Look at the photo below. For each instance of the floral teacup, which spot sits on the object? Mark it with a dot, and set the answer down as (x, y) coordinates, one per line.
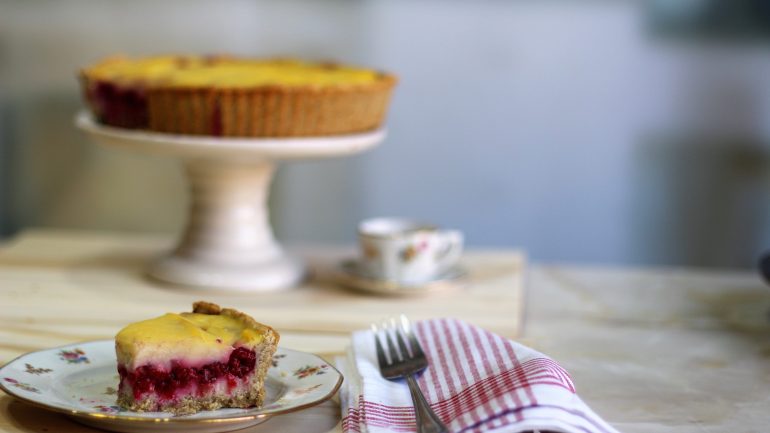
(407, 251)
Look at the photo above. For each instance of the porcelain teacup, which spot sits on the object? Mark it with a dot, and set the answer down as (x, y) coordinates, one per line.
(406, 250)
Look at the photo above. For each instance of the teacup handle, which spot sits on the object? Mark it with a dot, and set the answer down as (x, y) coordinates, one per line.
(451, 251)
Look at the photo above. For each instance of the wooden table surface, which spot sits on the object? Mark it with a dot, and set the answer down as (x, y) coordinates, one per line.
(650, 350)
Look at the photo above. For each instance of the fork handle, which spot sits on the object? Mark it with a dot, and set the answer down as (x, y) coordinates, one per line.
(427, 420)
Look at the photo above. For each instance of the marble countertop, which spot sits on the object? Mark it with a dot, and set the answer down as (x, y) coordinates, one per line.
(659, 350)
(650, 350)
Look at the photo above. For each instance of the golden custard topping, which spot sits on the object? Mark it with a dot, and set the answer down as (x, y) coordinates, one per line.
(187, 336)
(224, 72)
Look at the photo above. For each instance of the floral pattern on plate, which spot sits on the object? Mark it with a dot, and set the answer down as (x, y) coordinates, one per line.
(84, 387)
(73, 356)
(36, 370)
(310, 370)
(21, 385)
(277, 358)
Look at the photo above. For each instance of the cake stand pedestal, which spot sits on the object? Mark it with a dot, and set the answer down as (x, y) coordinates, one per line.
(228, 242)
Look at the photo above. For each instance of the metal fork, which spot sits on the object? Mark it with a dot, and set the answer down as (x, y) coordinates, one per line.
(403, 357)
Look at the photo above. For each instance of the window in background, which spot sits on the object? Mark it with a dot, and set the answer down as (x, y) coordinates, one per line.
(711, 19)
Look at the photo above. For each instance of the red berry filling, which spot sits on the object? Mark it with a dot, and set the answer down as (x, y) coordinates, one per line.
(150, 378)
(125, 107)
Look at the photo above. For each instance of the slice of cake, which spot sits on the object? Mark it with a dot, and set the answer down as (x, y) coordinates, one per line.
(236, 97)
(184, 363)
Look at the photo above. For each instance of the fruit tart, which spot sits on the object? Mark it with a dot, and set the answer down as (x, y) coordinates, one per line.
(236, 97)
(204, 360)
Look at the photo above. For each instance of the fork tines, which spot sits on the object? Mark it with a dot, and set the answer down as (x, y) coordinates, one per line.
(396, 342)
(400, 356)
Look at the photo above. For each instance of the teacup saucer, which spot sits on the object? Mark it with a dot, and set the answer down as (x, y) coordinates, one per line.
(352, 275)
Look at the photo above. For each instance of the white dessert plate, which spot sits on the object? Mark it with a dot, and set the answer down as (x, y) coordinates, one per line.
(80, 380)
(351, 274)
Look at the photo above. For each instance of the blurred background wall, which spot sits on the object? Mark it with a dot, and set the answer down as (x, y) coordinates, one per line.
(603, 131)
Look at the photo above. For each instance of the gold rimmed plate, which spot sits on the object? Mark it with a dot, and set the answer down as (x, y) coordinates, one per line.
(80, 380)
(351, 274)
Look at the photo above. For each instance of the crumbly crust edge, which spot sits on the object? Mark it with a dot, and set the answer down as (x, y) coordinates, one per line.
(253, 397)
(203, 307)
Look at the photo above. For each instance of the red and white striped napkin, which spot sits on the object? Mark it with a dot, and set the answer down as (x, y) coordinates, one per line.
(476, 382)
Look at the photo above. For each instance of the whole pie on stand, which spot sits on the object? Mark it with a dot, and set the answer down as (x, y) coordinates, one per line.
(236, 97)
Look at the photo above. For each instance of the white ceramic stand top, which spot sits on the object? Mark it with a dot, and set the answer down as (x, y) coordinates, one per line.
(228, 242)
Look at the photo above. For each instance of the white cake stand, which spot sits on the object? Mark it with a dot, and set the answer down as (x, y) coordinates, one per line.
(228, 242)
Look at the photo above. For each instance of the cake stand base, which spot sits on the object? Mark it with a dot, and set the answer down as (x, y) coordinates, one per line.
(228, 242)
(281, 272)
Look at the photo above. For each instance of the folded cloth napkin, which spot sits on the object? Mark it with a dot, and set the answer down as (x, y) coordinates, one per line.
(476, 382)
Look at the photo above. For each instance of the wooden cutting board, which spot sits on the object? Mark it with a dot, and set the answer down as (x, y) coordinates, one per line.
(58, 287)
